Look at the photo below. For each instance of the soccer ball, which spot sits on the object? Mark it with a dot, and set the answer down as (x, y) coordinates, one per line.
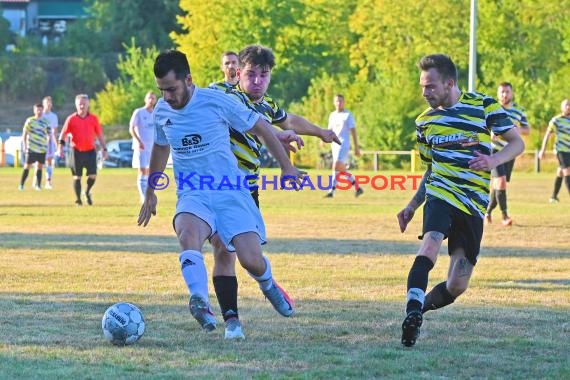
(123, 324)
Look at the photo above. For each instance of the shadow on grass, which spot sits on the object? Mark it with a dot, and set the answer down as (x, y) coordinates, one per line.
(323, 340)
(169, 244)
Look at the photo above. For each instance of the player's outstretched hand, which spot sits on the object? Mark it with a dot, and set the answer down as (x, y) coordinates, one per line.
(287, 138)
(292, 176)
(482, 162)
(404, 217)
(329, 136)
(148, 209)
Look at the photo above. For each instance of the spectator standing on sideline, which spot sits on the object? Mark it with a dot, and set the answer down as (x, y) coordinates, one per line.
(51, 117)
(84, 128)
(141, 128)
(207, 115)
(454, 140)
(501, 175)
(560, 127)
(35, 136)
(342, 123)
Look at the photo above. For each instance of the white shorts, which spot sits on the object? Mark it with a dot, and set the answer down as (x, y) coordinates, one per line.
(340, 152)
(141, 159)
(227, 212)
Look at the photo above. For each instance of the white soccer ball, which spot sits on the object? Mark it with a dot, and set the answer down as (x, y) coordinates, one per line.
(123, 324)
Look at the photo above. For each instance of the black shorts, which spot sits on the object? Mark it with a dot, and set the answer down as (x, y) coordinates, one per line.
(32, 157)
(504, 170)
(463, 230)
(563, 159)
(83, 160)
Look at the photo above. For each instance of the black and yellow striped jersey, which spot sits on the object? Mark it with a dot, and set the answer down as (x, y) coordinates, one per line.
(447, 139)
(38, 134)
(560, 125)
(246, 146)
(221, 86)
(518, 117)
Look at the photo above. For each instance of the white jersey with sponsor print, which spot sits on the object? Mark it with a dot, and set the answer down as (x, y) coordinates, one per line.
(341, 123)
(145, 128)
(199, 139)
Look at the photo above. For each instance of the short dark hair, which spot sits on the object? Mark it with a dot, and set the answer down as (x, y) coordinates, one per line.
(339, 96)
(506, 84)
(38, 105)
(229, 52)
(257, 55)
(171, 60)
(441, 63)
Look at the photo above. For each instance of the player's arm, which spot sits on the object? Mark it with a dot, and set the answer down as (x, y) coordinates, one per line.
(524, 127)
(263, 130)
(134, 131)
(355, 142)
(25, 138)
(62, 136)
(287, 138)
(514, 147)
(304, 127)
(545, 142)
(158, 160)
(103, 145)
(524, 130)
(406, 215)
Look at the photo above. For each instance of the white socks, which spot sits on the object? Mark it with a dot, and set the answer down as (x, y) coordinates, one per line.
(266, 279)
(142, 184)
(194, 273)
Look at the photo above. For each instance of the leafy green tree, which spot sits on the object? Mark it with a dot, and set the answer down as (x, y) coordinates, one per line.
(6, 35)
(115, 103)
(391, 39)
(526, 43)
(368, 50)
(113, 23)
(308, 38)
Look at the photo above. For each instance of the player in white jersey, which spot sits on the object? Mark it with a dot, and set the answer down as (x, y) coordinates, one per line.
(342, 123)
(141, 128)
(193, 124)
(52, 143)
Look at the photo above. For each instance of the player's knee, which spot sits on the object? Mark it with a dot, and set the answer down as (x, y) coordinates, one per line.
(431, 244)
(500, 183)
(187, 238)
(253, 263)
(456, 288)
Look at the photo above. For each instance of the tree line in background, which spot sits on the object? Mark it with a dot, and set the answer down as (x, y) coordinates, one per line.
(365, 49)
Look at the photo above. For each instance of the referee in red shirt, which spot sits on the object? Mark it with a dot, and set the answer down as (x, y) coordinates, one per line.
(83, 128)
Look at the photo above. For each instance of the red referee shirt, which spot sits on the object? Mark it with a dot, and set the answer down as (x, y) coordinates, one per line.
(82, 130)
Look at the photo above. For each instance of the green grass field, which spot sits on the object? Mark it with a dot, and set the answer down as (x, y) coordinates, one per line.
(343, 260)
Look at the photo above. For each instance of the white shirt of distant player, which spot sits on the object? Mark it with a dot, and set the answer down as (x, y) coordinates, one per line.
(145, 128)
(52, 118)
(341, 123)
(198, 135)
